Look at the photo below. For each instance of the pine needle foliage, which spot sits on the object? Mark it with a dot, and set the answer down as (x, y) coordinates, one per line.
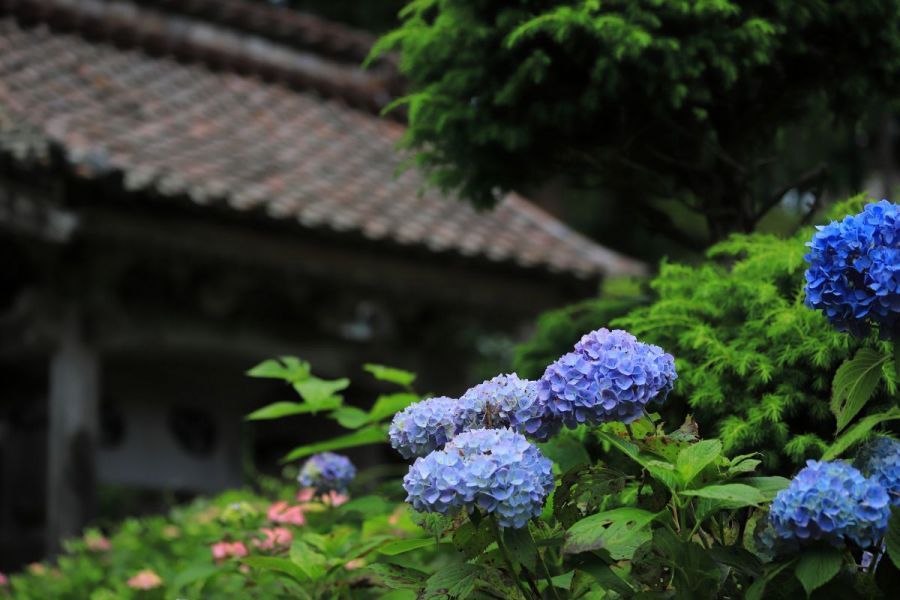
(755, 365)
(683, 99)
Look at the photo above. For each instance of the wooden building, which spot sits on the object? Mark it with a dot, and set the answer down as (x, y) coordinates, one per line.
(189, 186)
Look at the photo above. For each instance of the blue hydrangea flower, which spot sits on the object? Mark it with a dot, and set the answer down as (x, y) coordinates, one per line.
(880, 461)
(327, 472)
(832, 502)
(425, 426)
(610, 376)
(495, 471)
(854, 271)
(507, 401)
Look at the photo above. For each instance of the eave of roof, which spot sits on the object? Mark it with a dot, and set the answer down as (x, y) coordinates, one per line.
(124, 107)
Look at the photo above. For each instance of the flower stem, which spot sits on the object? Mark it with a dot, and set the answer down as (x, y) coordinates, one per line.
(506, 558)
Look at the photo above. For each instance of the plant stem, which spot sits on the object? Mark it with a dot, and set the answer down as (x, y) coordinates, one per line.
(547, 575)
(506, 558)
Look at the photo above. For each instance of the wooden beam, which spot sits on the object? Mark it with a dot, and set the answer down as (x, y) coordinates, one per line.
(72, 433)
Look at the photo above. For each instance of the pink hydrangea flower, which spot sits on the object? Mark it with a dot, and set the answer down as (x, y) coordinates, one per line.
(4, 580)
(305, 494)
(276, 539)
(335, 499)
(145, 580)
(282, 512)
(97, 543)
(224, 550)
(356, 563)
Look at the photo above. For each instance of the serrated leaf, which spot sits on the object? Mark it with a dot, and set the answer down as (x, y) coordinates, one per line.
(390, 374)
(403, 546)
(286, 368)
(892, 539)
(471, 539)
(362, 437)
(729, 495)
(854, 384)
(817, 567)
(318, 391)
(858, 432)
(308, 560)
(456, 581)
(278, 410)
(619, 531)
(350, 417)
(696, 457)
(390, 404)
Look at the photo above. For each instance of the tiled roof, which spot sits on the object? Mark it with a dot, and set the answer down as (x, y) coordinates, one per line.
(221, 138)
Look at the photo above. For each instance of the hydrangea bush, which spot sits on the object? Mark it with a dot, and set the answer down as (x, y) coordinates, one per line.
(569, 486)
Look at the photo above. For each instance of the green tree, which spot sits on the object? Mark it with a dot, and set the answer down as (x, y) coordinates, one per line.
(647, 100)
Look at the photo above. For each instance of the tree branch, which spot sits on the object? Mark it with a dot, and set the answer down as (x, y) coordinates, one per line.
(805, 180)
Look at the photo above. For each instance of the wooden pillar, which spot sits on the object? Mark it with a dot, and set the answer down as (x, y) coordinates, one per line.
(72, 434)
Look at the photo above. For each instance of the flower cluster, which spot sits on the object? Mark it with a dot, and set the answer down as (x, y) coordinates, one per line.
(854, 272)
(327, 472)
(508, 401)
(496, 471)
(610, 376)
(145, 580)
(880, 461)
(425, 426)
(223, 550)
(832, 502)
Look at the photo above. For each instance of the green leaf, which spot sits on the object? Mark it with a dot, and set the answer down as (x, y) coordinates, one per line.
(313, 564)
(858, 432)
(279, 565)
(363, 437)
(566, 452)
(287, 368)
(318, 391)
(892, 539)
(397, 576)
(390, 374)
(521, 547)
(456, 581)
(768, 486)
(758, 588)
(817, 567)
(854, 384)
(730, 495)
(619, 531)
(350, 417)
(471, 539)
(193, 574)
(287, 409)
(563, 581)
(402, 546)
(696, 457)
(367, 505)
(660, 470)
(388, 405)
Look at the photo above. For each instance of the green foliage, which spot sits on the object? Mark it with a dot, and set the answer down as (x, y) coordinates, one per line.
(756, 366)
(647, 100)
(316, 394)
